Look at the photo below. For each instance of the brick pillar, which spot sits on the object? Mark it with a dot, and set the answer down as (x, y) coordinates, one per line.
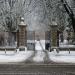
(54, 36)
(22, 34)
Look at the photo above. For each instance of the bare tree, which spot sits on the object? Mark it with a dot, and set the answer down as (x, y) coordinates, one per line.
(70, 13)
(11, 11)
(38, 13)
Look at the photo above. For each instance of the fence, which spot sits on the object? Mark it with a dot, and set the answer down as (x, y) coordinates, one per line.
(67, 41)
(66, 38)
(7, 39)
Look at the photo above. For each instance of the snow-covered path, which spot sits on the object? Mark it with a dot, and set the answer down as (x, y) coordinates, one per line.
(39, 56)
(39, 51)
(40, 45)
(62, 57)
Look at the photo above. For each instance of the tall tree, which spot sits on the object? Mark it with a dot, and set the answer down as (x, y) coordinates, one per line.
(11, 11)
(38, 13)
(69, 12)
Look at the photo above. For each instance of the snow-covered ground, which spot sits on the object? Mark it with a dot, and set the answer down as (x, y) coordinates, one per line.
(11, 56)
(39, 47)
(62, 56)
(39, 56)
(20, 56)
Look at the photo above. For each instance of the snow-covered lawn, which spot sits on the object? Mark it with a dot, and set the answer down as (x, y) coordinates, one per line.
(11, 56)
(62, 56)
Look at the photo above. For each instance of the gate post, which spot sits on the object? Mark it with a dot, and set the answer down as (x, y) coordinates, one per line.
(54, 35)
(22, 34)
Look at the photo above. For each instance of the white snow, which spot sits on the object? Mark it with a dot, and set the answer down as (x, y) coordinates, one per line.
(11, 56)
(67, 46)
(39, 57)
(40, 45)
(65, 42)
(20, 56)
(62, 56)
